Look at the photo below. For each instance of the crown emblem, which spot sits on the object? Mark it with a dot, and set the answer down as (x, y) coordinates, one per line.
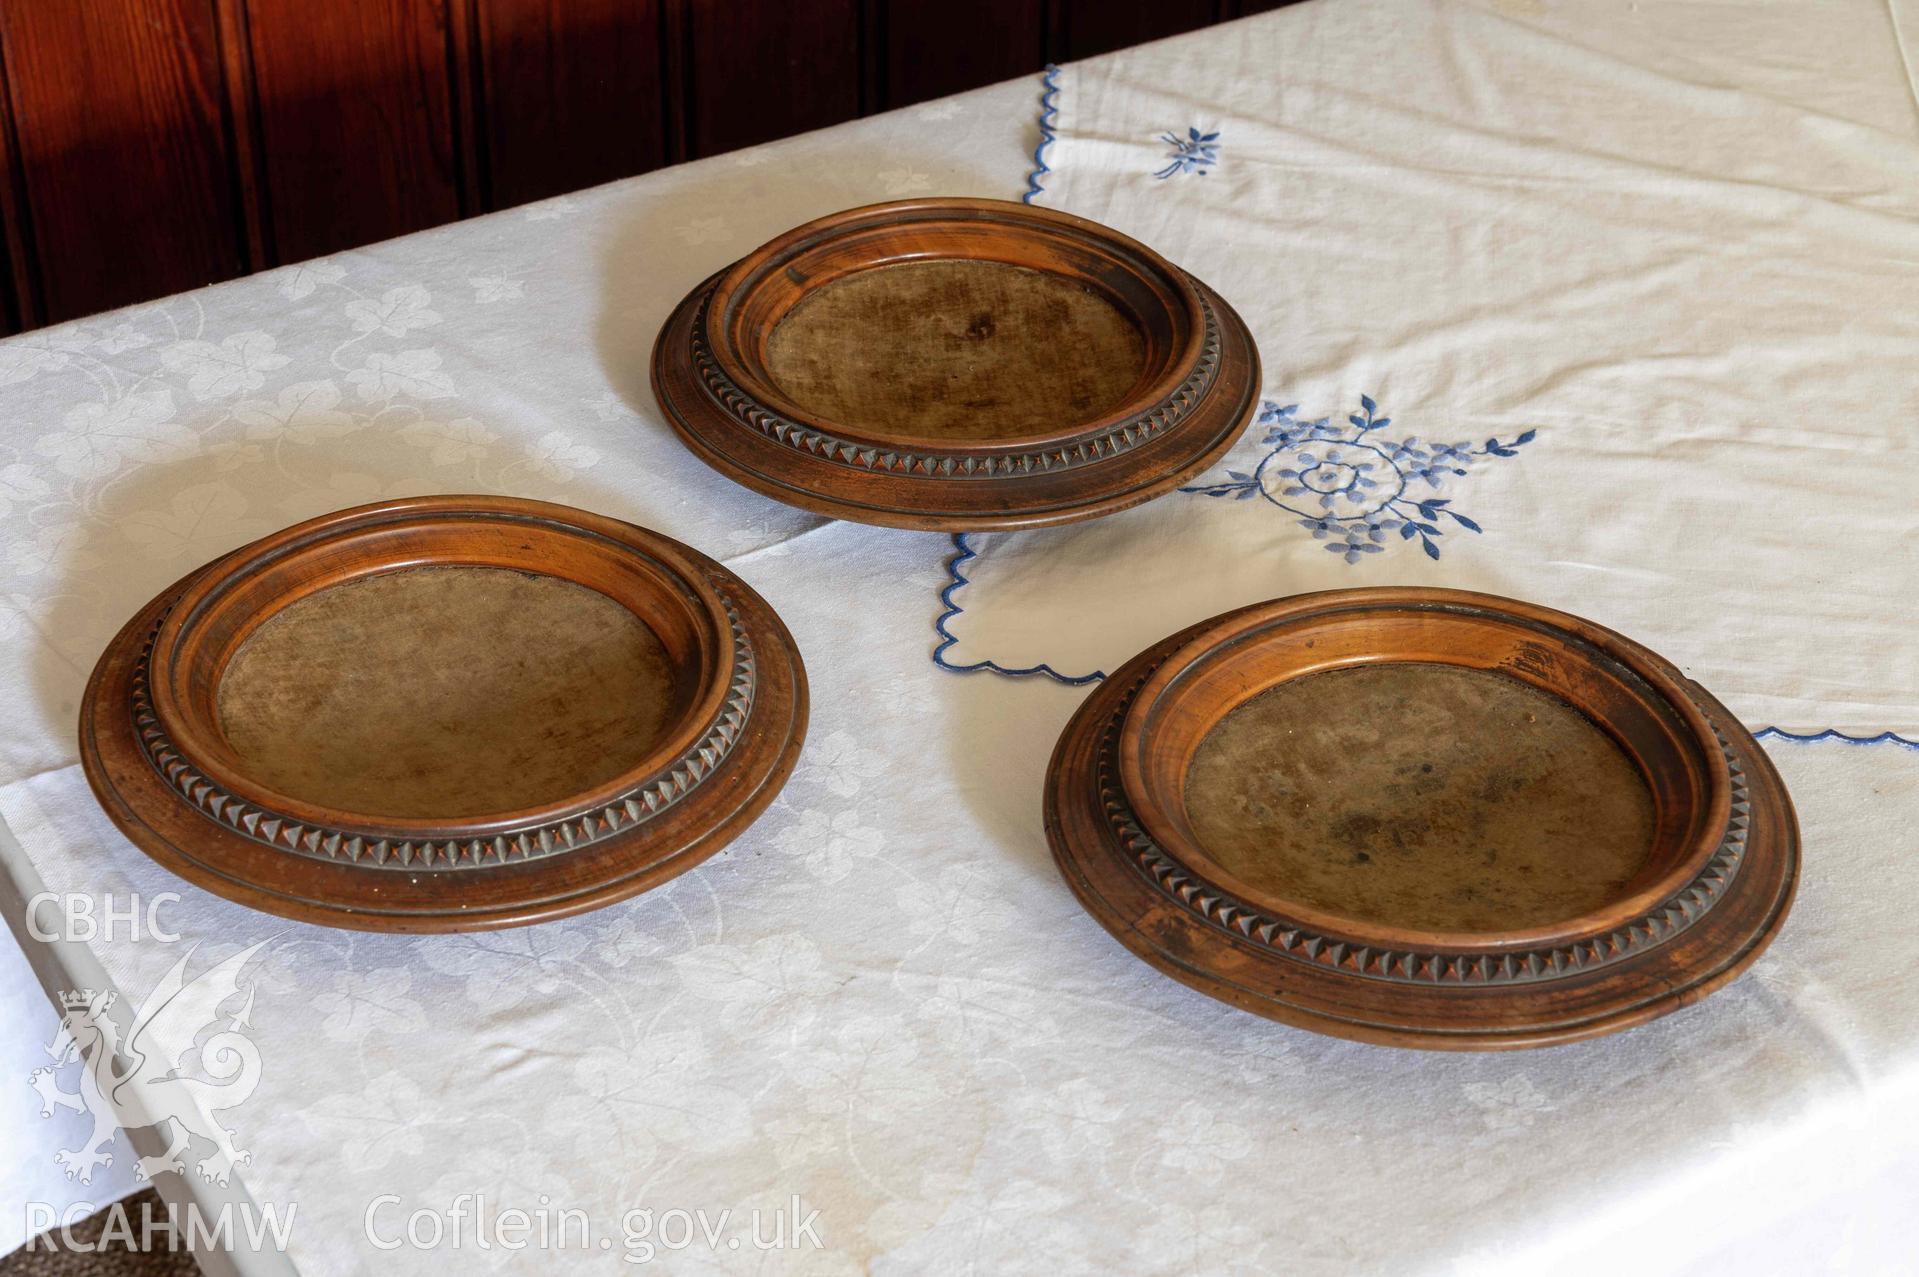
(85, 999)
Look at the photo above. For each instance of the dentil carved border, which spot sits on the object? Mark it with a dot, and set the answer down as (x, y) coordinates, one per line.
(283, 833)
(859, 456)
(1221, 910)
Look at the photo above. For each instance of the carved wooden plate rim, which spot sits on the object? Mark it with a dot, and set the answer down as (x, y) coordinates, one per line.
(1704, 918)
(200, 739)
(159, 768)
(1194, 396)
(1290, 618)
(1021, 222)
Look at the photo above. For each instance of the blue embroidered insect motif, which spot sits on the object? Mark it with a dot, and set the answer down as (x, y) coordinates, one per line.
(1353, 488)
(1194, 153)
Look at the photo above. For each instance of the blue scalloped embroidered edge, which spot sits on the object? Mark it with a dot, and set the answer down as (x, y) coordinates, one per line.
(963, 552)
(1048, 112)
(1833, 733)
(956, 578)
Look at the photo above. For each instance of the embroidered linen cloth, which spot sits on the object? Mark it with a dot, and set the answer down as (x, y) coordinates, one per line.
(881, 998)
(1616, 314)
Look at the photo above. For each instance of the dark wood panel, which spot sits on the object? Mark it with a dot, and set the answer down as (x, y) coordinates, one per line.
(1089, 27)
(125, 188)
(572, 94)
(777, 68)
(17, 309)
(355, 117)
(246, 161)
(148, 146)
(928, 50)
(465, 88)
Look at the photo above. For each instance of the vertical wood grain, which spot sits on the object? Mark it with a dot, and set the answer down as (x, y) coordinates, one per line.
(247, 160)
(120, 142)
(572, 94)
(931, 50)
(465, 77)
(676, 59)
(1086, 28)
(148, 146)
(766, 69)
(355, 112)
(19, 307)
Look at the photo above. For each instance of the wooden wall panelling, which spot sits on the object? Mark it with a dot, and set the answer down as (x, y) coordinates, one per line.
(465, 90)
(750, 73)
(124, 187)
(571, 94)
(355, 113)
(148, 146)
(17, 309)
(9, 302)
(1084, 28)
(676, 57)
(928, 50)
(246, 159)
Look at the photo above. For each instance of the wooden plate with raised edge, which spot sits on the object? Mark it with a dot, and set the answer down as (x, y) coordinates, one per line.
(444, 714)
(956, 364)
(1423, 818)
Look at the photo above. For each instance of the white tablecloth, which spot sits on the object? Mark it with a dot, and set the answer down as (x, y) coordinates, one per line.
(881, 1000)
(1547, 309)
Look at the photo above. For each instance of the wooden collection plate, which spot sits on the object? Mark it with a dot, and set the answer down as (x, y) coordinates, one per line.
(1423, 818)
(444, 714)
(956, 364)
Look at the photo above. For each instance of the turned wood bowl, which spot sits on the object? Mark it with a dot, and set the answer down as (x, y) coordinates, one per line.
(956, 364)
(1423, 818)
(445, 713)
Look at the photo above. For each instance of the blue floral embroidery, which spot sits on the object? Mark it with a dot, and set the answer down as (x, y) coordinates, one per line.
(1353, 488)
(1194, 153)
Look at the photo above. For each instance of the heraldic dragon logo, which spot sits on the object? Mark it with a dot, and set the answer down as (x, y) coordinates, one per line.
(142, 1081)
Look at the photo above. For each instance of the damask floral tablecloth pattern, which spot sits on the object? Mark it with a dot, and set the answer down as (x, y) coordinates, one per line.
(881, 1000)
